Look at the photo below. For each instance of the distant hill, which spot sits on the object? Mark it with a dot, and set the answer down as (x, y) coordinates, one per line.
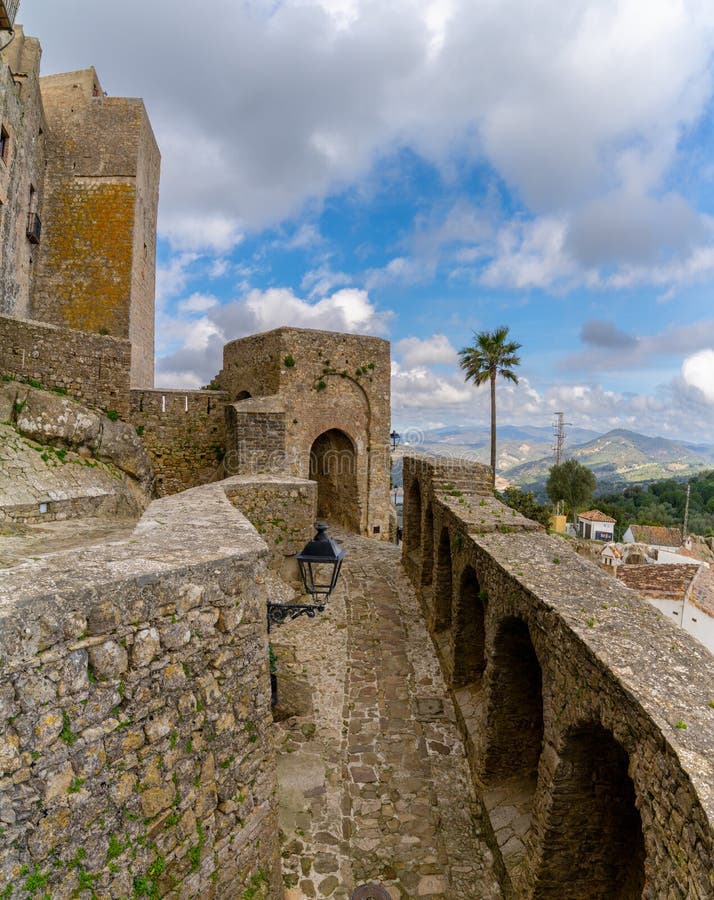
(525, 453)
(622, 457)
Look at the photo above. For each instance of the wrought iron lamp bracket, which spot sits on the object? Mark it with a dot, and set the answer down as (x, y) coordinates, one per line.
(286, 612)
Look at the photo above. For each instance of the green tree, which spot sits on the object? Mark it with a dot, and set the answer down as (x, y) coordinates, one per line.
(573, 483)
(490, 356)
(526, 504)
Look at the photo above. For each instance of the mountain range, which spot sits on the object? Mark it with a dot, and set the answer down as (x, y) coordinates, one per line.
(525, 453)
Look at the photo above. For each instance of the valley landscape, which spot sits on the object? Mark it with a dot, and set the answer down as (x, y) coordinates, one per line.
(616, 458)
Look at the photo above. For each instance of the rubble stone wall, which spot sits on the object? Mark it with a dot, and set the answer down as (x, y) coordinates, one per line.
(22, 170)
(558, 657)
(92, 368)
(135, 756)
(183, 433)
(281, 509)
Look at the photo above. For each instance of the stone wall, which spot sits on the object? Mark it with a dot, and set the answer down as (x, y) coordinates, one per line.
(183, 433)
(282, 510)
(22, 170)
(588, 716)
(298, 385)
(255, 437)
(135, 756)
(93, 368)
(96, 265)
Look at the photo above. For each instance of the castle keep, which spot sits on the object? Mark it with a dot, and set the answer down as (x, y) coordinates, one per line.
(79, 177)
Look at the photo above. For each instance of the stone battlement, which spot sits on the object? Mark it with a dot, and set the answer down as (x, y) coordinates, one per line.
(566, 678)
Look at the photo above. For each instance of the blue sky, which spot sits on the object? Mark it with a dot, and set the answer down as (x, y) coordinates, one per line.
(423, 170)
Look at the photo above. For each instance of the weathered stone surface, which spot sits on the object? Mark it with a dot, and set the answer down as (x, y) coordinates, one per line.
(115, 736)
(47, 418)
(146, 647)
(564, 678)
(108, 660)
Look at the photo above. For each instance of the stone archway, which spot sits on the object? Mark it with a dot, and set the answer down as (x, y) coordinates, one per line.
(515, 704)
(441, 620)
(593, 840)
(427, 549)
(513, 741)
(412, 521)
(469, 630)
(333, 465)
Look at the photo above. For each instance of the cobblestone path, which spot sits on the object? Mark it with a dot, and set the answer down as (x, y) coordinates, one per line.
(374, 784)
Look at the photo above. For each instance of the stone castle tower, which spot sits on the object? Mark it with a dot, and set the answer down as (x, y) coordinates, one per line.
(79, 175)
(96, 268)
(314, 404)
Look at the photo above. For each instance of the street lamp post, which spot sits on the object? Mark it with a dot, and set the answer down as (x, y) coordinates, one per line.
(320, 562)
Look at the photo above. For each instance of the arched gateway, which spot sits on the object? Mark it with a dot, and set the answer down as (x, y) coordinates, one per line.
(333, 465)
(318, 408)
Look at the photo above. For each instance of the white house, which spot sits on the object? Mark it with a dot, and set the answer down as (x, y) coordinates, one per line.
(595, 525)
(611, 555)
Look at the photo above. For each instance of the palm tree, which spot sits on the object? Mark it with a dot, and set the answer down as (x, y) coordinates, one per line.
(491, 355)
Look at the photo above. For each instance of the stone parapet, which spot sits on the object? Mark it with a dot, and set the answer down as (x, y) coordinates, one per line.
(183, 433)
(135, 756)
(566, 679)
(92, 368)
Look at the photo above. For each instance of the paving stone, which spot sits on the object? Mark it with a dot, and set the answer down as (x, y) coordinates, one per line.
(393, 778)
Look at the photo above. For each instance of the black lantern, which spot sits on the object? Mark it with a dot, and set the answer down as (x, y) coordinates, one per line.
(320, 562)
(395, 438)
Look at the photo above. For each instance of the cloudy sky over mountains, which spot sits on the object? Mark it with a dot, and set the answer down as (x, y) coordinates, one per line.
(420, 169)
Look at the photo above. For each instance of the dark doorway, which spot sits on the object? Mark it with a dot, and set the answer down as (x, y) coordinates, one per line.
(593, 845)
(333, 465)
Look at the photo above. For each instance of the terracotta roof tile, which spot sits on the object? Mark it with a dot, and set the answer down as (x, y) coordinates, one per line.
(659, 582)
(594, 515)
(656, 535)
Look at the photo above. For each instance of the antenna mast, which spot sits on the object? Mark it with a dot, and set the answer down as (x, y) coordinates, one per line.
(559, 433)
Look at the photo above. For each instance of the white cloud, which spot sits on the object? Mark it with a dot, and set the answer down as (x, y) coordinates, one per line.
(197, 303)
(201, 233)
(566, 102)
(698, 372)
(320, 281)
(194, 345)
(418, 389)
(414, 351)
(530, 254)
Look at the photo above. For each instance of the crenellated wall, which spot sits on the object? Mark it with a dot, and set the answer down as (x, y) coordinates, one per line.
(588, 716)
(135, 755)
(184, 434)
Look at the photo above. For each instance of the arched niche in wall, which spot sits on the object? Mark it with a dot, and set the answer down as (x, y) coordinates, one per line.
(514, 731)
(469, 630)
(443, 591)
(412, 519)
(243, 395)
(333, 465)
(593, 840)
(427, 549)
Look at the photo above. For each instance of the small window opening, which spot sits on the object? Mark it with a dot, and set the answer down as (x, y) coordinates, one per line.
(4, 144)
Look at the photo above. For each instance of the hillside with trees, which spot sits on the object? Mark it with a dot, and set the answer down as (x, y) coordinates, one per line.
(662, 503)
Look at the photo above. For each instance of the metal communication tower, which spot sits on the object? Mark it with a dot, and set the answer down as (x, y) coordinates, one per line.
(559, 432)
